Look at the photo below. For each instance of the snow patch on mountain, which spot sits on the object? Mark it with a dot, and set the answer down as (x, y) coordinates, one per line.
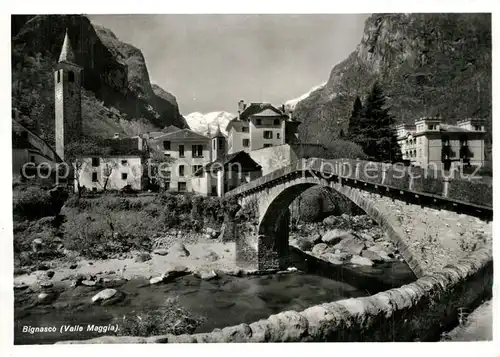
(290, 104)
(201, 122)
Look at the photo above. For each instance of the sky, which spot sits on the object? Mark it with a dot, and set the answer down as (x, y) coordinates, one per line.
(210, 62)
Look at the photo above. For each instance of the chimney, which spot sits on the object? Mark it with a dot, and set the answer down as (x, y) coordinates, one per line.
(241, 106)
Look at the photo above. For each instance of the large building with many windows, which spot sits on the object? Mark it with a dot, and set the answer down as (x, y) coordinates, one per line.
(431, 142)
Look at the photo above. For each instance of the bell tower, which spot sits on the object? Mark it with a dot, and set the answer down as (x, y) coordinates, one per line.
(218, 144)
(68, 98)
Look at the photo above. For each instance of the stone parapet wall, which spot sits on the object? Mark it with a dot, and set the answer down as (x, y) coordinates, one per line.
(417, 311)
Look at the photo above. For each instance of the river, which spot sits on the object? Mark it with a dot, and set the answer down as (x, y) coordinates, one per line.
(225, 301)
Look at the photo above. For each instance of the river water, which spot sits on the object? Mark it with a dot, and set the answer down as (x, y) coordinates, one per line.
(225, 301)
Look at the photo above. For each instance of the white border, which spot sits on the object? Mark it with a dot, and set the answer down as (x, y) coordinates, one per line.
(219, 6)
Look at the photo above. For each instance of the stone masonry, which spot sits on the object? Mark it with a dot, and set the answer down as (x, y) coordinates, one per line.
(428, 238)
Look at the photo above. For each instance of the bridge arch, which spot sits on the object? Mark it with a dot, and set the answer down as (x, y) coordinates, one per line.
(273, 231)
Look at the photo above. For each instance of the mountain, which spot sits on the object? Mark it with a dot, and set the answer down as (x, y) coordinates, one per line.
(200, 122)
(428, 64)
(292, 103)
(117, 95)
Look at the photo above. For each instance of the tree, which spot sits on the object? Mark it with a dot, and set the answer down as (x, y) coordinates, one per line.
(75, 157)
(354, 128)
(155, 168)
(377, 135)
(109, 166)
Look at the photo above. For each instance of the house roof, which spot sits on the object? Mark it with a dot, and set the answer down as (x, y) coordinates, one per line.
(218, 133)
(171, 129)
(260, 109)
(182, 135)
(31, 141)
(241, 157)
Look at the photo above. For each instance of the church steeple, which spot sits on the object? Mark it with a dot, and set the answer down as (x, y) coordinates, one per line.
(67, 54)
(68, 98)
(218, 144)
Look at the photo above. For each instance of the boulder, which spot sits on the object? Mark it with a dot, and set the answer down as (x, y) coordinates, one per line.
(330, 221)
(373, 256)
(332, 258)
(382, 252)
(88, 282)
(178, 250)
(211, 256)
(334, 236)
(161, 251)
(46, 284)
(20, 286)
(156, 280)
(175, 272)
(358, 260)
(206, 274)
(351, 244)
(142, 257)
(104, 295)
(46, 298)
(307, 242)
(319, 249)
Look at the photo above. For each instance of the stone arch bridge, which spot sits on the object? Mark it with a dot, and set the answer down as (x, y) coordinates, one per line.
(430, 219)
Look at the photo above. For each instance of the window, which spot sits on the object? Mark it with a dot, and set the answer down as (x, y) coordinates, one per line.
(214, 191)
(166, 145)
(95, 161)
(258, 122)
(277, 135)
(268, 134)
(197, 150)
(167, 155)
(196, 168)
(124, 162)
(246, 143)
(124, 176)
(478, 128)
(71, 76)
(276, 122)
(94, 176)
(58, 76)
(221, 143)
(268, 145)
(181, 170)
(32, 159)
(181, 187)
(244, 129)
(431, 127)
(214, 145)
(181, 150)
(167, 186)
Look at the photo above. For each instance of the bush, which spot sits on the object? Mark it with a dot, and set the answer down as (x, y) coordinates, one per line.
(34, 202)
(344, 149)
(469, 191)
(170, 318)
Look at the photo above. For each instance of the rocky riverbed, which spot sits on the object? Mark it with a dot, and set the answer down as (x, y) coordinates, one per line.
(346, 239)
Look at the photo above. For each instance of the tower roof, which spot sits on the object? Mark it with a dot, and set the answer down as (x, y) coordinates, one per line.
(67, 54)
(218, 133)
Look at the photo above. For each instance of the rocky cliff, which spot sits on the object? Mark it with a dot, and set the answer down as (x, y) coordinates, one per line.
(117, 96)
(428, 64)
